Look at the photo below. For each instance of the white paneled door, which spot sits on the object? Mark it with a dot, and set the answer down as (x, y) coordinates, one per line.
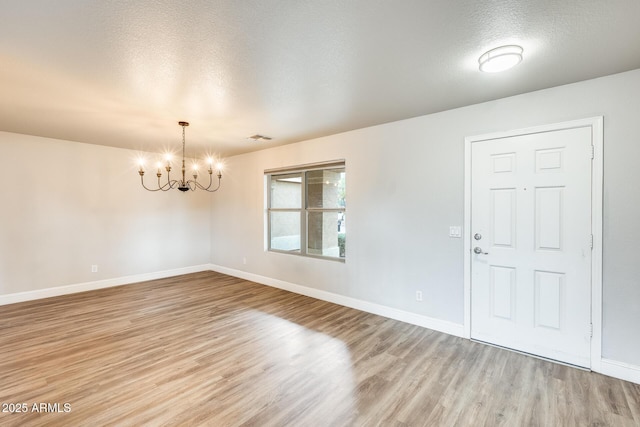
(531, 243)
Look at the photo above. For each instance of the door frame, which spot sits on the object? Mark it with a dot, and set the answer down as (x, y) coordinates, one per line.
(597, 137)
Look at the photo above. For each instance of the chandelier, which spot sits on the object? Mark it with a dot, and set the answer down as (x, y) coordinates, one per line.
(182, 184)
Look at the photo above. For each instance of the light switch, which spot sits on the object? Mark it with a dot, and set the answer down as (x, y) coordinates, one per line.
(455, 231)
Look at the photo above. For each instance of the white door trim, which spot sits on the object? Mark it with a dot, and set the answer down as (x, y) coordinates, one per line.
(596, 125)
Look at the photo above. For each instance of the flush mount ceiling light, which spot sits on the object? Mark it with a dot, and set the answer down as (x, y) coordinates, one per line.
(182, 184)
(500, 59)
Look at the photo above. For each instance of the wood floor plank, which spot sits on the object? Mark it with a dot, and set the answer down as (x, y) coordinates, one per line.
(211, 349)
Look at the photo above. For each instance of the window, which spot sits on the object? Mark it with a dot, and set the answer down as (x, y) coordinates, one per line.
(306, 210)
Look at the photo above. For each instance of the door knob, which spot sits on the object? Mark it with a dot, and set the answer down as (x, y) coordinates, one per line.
(478, 250)
(477, 236)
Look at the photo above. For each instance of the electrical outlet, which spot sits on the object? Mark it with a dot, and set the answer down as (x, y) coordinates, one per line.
(455, 231)
(418, 295)
(94, 268)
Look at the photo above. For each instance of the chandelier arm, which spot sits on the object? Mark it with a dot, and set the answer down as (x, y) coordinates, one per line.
(174, 183)
(169, 185)
(202, 187)
(147, 188)
(160, 186)
(164, 187)
(217, 187)
(208, 188)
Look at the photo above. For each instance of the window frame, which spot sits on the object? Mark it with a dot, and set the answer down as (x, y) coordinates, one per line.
(304, 209)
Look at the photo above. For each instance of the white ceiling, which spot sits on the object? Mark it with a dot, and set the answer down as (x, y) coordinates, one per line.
(122, 73)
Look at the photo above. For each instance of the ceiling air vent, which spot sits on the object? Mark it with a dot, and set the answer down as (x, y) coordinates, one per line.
(258, 137)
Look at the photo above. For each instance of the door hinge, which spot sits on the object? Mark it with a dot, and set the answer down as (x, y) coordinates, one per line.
(591, 241)
(593, 152)
(590, 330)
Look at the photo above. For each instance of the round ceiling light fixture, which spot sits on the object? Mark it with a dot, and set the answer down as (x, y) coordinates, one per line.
(500, 59)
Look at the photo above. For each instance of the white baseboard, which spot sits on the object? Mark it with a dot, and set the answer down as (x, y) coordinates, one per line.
(98, 284)
(607, 367)
(621, 370)
(369, 307)
(612, 368)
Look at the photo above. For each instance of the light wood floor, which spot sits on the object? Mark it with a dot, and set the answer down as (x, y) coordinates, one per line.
(209, 349)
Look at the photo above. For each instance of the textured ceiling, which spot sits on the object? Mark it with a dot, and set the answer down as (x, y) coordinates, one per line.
(122, 73)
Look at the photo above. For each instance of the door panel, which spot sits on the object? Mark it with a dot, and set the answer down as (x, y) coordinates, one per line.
(548, 302)
(503, 214)
(503, 292)
(548, 225)
(531, 276)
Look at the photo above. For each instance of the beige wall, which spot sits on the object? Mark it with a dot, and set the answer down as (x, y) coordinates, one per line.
(66, 206)
(405, 187)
